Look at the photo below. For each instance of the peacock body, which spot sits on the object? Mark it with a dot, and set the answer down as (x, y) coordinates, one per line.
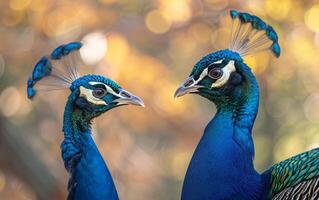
(222, 164)
(91, 95)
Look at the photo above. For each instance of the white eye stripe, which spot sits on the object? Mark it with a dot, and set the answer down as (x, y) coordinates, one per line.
(87, 94)
(202, 75)
(205, 71)
(108, 89)
(218, 62)
(227, 70)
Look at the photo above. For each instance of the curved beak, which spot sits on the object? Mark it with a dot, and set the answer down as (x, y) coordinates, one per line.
(189, 86)
(126, 98)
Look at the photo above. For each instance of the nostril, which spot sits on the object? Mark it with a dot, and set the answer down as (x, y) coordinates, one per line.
(125, 94)
(188, 83)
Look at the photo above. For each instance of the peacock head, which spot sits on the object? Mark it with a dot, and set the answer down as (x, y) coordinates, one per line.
(215, 76)
(95, 94)
(222, 76)
(92, 95)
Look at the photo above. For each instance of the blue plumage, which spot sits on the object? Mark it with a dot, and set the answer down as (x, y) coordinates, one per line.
(222, 164)
(91, 95)
(246, 37)
(42, 69)
(65, 49)
(90, 177)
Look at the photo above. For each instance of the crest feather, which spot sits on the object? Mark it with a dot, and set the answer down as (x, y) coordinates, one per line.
(57, 71)
(250, 34)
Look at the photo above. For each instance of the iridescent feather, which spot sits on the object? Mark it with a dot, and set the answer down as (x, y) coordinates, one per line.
(250, 35)
(296, 177)
(57, 71)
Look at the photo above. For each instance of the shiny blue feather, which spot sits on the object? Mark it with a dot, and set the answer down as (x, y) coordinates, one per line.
(56, 71)
(250, 34)
(65, 49)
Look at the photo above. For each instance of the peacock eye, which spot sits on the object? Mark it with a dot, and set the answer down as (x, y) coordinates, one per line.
(215, 73)
(99, 92)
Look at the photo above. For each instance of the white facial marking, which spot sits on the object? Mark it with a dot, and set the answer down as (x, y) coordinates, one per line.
(227, 70)
(218, 62)
(87, 94)
(205, 72)
(202, 75)
(123, 96)
(108, 89)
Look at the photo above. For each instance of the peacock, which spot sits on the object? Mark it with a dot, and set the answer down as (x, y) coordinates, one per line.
(91, 95)
(222, 164)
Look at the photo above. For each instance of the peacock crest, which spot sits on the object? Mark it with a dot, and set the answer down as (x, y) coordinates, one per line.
(56, 71)
(250, 35)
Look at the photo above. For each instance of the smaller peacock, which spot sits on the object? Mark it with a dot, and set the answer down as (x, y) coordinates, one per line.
(222, 164)
(91, 95)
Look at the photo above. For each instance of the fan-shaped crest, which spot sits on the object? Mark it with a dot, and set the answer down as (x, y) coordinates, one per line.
(250, 35)
(56, 71)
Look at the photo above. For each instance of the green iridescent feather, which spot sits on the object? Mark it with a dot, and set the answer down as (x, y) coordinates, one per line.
(290, 172)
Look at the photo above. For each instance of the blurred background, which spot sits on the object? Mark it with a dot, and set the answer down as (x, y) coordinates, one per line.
(149, 48)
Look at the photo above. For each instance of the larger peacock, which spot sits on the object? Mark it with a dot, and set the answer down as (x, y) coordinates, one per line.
(91, 95)
(222, 165)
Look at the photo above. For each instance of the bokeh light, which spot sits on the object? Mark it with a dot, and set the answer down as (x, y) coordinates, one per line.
(10, 101)
(278, 10)
(157, 22)
(94, 48)
(178, 11)
(311, 18)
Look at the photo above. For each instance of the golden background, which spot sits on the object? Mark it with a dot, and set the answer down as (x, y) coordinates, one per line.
(149, 48)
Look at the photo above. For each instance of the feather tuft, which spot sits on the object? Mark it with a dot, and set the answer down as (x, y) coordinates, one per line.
(57, 71)
(250, 35)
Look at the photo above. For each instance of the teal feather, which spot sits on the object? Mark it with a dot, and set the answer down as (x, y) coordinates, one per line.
(293, 171)
(245, 40)
(90, 178)
(222, 165)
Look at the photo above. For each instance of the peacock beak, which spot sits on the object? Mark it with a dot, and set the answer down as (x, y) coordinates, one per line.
(126, 98)
(189, 86)
(135, 100)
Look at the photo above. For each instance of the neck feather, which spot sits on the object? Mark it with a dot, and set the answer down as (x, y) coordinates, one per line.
(75, 131)
(246, 113)
(243, 108)
(80, 152)
(74, 122)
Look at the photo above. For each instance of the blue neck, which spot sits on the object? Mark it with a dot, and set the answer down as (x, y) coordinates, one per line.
(90, 177)
(245, 113)
(222, 164)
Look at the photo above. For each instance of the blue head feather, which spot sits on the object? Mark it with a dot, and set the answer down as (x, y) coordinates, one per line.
(64, 75)
(65, 49)
(42, 69)
(84, 81)
(212, 57)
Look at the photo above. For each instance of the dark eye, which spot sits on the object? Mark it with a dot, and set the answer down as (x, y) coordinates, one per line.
(99, 92)
(215, 73)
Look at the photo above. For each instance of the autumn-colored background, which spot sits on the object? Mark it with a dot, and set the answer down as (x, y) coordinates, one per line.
(149, 48)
